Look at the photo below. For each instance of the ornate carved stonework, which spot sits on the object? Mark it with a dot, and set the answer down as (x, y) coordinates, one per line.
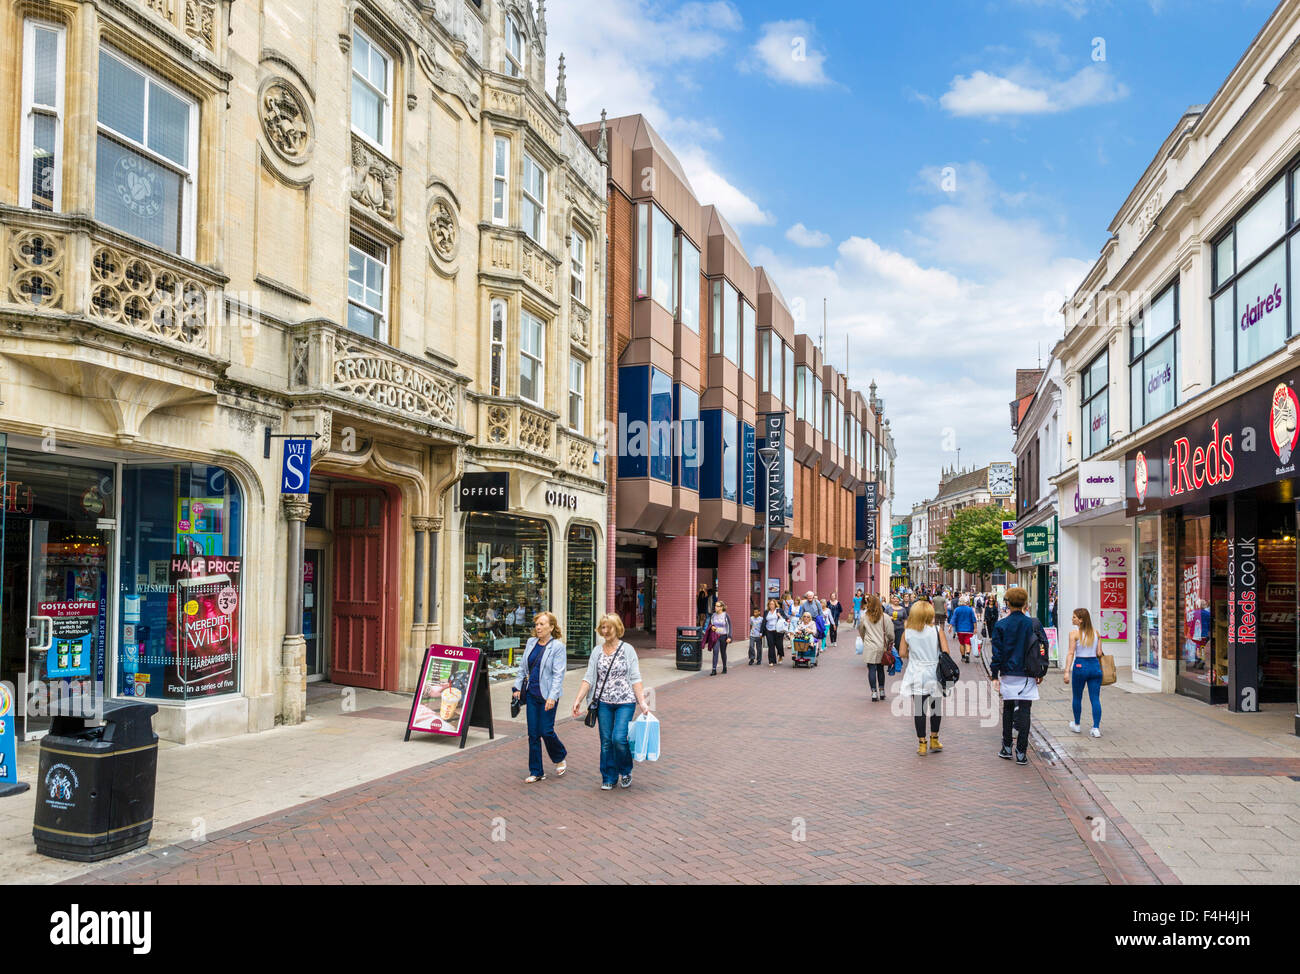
(579, 457)
(535, 432)
(374, 180)
(579, 322)
(501, 253)
(1150, 210)
(503, 101)
(285, 120)
(161, 7)
(444, 235)
(153, 299)
(384, 382)
(301, 357)
(200, 16)
(296, 507)
(498, 419)
(538, 269)
(36, 269)
(422, 523)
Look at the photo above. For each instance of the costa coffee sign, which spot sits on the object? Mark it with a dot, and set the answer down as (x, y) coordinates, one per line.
(1243, 443)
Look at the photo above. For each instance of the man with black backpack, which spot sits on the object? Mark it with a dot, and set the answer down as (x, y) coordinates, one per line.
(1018, 664)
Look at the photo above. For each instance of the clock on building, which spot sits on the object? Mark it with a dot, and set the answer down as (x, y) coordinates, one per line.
(1002, 481)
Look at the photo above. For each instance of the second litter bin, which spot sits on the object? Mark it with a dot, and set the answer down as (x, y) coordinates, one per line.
(95, 788)
(690, 641)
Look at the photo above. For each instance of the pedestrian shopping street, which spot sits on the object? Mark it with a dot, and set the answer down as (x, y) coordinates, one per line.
(784, 776)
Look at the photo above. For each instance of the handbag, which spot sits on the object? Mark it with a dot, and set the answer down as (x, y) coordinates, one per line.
(594, 707)
(1107, 668)
(517, 703)
(947, 672)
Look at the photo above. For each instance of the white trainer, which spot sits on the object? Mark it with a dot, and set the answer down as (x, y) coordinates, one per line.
(1074, 727)
(1095, 732)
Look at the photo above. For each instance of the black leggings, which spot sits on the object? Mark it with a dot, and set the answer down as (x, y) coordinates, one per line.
(922, 703)
(876, 672)
(1015, 715)
(775, 645)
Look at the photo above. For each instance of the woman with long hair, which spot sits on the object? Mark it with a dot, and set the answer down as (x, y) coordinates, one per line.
(1083, 669)
(922, 643)
(543, 669)
(877, 634)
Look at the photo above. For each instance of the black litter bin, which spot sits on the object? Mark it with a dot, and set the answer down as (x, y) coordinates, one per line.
(96, 784)
(690, 643)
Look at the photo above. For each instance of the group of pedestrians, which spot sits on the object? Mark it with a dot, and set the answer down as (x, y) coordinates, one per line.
(1018, 646)
(909, 633)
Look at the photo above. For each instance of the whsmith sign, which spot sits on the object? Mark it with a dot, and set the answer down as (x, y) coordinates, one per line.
(1246, 442)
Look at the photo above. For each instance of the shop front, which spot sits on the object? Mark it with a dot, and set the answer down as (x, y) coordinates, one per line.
(121, 578)
(1095, 570)
(1222, 487)
(529, 545)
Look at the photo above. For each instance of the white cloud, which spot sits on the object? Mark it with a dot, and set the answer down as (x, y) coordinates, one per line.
(785, 53)
(622, 53)
(942, 321)
(801, 236)
(712, 187)
(1022, 93)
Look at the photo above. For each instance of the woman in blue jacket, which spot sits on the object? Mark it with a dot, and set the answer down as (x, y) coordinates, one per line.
(544, 663)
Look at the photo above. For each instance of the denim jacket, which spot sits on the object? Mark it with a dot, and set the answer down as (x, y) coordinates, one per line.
(551, 672)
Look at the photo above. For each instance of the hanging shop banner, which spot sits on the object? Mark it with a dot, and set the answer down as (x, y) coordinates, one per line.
(870, 497)
(1112, 625)
(74, 626)
(295, 474)
(774, 434)
(452, 694)
(748, 460)
(1101, 480)
(1008, 530)
(203, 627)
(1243, 443)
(484, 492)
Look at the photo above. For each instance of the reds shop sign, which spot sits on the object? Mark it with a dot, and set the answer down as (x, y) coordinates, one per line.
(1244, 443)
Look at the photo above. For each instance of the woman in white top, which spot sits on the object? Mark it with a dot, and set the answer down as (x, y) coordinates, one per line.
(1083, 668)
(921, 645)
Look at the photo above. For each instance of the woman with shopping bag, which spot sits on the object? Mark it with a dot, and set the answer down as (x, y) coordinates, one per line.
(613, 678)
(877, 636)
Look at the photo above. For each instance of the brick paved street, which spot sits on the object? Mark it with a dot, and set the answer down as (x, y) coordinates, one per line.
(747, 758)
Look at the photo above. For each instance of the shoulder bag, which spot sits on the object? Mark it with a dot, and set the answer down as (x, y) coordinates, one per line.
(594, 707)
(517, 703)
(1107, 665)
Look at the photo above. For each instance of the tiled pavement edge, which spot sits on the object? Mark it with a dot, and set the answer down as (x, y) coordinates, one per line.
(1204, 795)
(768, 776)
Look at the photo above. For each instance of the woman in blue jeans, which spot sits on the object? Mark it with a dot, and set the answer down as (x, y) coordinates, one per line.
(614, 676)
(543, 668)
(1083, 669)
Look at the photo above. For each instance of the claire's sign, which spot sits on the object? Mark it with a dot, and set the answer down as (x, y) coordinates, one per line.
(1243, 443)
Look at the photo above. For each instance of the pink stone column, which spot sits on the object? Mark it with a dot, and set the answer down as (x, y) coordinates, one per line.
(846, 588)
(780, 569)
(803, 577)
(863, 576)
(734, 585)
(675, 582)
(827, 577)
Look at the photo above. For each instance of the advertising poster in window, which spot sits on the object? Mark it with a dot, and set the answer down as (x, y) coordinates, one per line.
(443, 697)
(1112, 623)
(200, 526)
(203, 627)
(74, 627)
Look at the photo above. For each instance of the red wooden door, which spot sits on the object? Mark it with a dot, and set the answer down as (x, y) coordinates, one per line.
(360, 586)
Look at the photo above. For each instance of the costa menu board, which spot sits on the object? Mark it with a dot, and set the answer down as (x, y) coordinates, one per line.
(444, 697)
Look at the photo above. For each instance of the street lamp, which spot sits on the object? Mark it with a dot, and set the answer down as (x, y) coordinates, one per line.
(768, 455)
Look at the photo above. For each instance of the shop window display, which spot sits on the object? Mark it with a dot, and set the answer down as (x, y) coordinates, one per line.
(180, 619)
(580, 620)
(1147, 656)
(507, 582)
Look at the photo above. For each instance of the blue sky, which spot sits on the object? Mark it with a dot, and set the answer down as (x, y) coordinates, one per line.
(942, 173)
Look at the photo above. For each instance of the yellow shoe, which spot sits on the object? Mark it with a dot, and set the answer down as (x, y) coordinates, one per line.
(934, 743)
(920, 747)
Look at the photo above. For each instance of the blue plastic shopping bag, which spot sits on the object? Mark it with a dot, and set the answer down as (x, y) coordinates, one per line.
(643, 737)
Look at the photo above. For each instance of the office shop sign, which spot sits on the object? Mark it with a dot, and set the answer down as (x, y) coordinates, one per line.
(484, 492)
(1246, 442)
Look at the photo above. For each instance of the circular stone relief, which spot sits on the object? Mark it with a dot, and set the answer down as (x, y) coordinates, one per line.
(285, 120)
